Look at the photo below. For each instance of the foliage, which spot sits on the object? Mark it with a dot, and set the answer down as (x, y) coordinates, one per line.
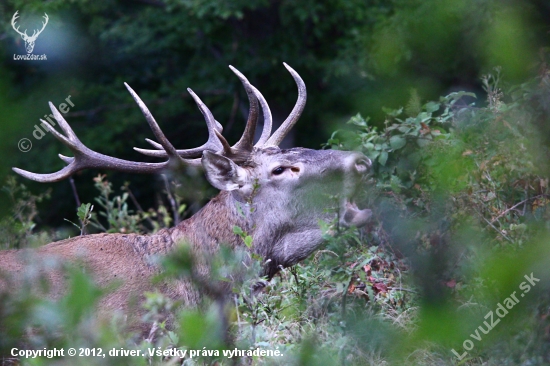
(115, 211)
(16, 230)
(348, 51)
(121, 219)
(461, 202)
(459, 189)
(462, 190)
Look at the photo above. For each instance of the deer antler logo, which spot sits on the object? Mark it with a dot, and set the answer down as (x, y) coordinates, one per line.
(29, 40)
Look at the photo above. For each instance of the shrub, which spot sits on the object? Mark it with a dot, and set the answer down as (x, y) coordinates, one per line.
(460, 195)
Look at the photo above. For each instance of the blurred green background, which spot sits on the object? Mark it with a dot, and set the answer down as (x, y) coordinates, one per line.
(355, 56)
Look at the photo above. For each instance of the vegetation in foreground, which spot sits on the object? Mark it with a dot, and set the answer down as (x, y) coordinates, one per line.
(460, 195)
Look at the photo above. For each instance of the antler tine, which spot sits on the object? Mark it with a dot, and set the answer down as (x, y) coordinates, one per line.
(230, 152)
(156, 145)
(268, 119)
(227, 151)
(86, 158)
(188, 153)
(213, 143)
(216, 142)
(47, 178)
(211, 122)
(71, 141)
(66, 159)
(62, 123)
(287, 125)
(247, 139)
(166, 145)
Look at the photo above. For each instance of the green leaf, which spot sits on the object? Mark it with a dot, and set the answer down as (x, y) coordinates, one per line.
(395, 184)
(392, 112)
(372, 155)
(383, 158)
(248, 241)
(237, 230)
(358, 120)
(431, 107)
(397, 142)
(369, 146)
(84, 211)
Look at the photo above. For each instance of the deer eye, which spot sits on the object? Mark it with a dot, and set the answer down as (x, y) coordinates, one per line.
(278, 171)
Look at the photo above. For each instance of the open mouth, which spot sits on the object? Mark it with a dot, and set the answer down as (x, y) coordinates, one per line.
(353, 216)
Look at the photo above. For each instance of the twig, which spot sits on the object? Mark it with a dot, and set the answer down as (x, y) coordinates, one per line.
(172, 200)
(77, 200)
(526, 197)
(516, 205)
(293, 271)
(319, 252)
(126, 187)
(152, 333)
(494, 227)
(237, 310)
(402, 289)
(75, 193)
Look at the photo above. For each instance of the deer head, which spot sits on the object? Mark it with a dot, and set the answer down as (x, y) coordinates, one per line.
(278, 195)
(29, 40)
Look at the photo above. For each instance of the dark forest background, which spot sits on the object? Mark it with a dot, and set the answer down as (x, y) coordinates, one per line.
(355, 56)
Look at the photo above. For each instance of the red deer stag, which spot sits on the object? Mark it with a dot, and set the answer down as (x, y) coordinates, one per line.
(276, 195)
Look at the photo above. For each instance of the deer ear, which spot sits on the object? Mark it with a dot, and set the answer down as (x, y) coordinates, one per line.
(222, 172)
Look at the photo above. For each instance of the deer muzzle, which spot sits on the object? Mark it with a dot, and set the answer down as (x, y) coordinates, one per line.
(358, 167)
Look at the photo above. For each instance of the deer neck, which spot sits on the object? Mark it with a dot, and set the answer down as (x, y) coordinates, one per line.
(213, 225)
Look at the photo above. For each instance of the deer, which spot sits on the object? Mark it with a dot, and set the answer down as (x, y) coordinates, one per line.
(275, 195)
(29, 40)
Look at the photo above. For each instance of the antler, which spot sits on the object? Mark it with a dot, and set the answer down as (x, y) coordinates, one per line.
(36, 33)
(242, 149)
(294, 115)
(268, 120)
(281, 132)
(86, 158)
(13, 19)
(212, 144)
(216, 142)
